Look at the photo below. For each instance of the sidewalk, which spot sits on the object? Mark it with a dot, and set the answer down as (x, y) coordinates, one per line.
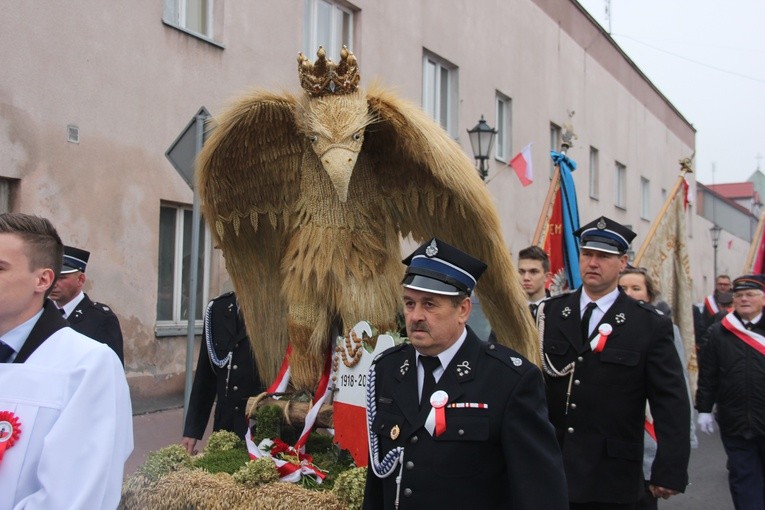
(154, 430)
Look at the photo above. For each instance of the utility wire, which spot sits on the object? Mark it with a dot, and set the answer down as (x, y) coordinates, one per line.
(734, 73)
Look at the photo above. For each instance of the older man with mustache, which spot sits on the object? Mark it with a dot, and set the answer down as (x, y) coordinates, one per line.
(455, 422)
(604, 356)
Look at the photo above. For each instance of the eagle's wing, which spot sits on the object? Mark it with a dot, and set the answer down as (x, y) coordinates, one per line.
(433, 190)
(248, 181)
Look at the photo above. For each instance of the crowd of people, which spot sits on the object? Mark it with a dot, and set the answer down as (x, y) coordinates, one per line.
(608, 423)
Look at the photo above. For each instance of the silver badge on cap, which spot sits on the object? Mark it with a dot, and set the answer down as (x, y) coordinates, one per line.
(432, 249)
(601, 223)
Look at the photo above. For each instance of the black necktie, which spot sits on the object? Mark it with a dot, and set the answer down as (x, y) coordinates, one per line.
(533, 307)
(6, 351)
(586, 320)
(429, 364)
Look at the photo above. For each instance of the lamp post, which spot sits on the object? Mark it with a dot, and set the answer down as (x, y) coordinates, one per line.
(481, 141)
(715, 231)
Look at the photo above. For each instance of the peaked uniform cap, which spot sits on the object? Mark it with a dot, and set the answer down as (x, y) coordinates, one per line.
(75, 259)
(440, 268)
(750, 281)
(606, 235)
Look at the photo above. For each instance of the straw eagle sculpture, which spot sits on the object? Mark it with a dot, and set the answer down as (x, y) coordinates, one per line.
(309, 197)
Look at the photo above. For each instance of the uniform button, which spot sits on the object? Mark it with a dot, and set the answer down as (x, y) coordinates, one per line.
(461, 432)
(491, 347)
(236, 408)
(235, 367)
(573, 406)
(576, 382)
(409, 465)
(407, 492)
(235, 388)
(414, 439)
(580, 359)
(571, 430)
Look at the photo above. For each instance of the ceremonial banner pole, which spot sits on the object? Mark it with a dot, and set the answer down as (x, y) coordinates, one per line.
(685, 169)
(754, 248)
(544, 217)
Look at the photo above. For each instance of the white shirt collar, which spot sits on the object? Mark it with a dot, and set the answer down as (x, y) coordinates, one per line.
(16, 337)
(71, 305)
(604, 303)
(446, 356)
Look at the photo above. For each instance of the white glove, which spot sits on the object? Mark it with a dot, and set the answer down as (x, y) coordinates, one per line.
(706, 423)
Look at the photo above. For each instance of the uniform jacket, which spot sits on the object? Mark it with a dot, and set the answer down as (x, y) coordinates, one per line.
(504, 456)
(71, 398)
(732, 374)
(232, 384)
(99, 322)
(601, 429)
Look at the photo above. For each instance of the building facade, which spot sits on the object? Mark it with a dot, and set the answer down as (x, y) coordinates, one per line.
(91, 97)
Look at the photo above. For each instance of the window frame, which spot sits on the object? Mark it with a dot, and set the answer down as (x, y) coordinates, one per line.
(503, 148)
(441, 108)
(176, 326)
(311, 28)
(594, 177)
(620, 185)
(645, 198)
(174, 14)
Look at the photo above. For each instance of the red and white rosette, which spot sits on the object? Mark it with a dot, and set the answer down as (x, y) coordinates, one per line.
(435, 423)
(10, 430)
(599, 342)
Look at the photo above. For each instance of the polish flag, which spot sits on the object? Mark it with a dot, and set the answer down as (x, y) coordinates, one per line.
(522, 166)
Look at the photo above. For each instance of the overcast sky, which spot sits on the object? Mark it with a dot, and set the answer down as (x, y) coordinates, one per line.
(708, 58)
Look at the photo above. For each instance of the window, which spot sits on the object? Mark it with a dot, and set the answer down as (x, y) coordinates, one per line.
(645, 198)
(7, 191)
(326, 23)
(594, 173)
(194, 17)
(439, 91)
(504, 149)
(554, 144)
(175, 224)
(620, 191)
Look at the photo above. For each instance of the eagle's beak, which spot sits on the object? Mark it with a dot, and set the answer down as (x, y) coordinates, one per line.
(338, 162)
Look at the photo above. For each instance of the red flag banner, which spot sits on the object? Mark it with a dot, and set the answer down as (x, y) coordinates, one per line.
(521, 163)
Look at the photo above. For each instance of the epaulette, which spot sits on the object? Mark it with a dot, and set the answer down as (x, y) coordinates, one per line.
(224, 295)
(389, 351)
(651, 308)
(508, 356)
(556, 297)
(101, 308)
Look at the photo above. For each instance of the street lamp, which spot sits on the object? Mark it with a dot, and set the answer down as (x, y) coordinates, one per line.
(481, 140)
(715, 231)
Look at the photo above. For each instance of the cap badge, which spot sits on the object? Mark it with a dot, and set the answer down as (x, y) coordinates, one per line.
(463, 369)
(566, 312)
(432, 249)
(601, 223)
(394, 432)
(620, 318)
(404, 368)
(516, 361)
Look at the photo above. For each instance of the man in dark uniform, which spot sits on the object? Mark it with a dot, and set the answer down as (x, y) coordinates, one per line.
(226, 371)
(455, 422)
(604, 355)
(732, 376)
(90, 318)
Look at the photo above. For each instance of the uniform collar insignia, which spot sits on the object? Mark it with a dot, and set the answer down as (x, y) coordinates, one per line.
(404, 368)
(620, 318)
(463, 368)
(516, 361)
(566, 312)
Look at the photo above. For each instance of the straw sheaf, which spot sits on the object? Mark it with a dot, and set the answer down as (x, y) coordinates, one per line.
(200, 490)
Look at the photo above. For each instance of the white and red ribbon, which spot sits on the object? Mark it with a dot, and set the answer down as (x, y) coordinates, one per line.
(435, 423)
(711, 304)
(291, 471)
(752, 339)
(598, 343)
